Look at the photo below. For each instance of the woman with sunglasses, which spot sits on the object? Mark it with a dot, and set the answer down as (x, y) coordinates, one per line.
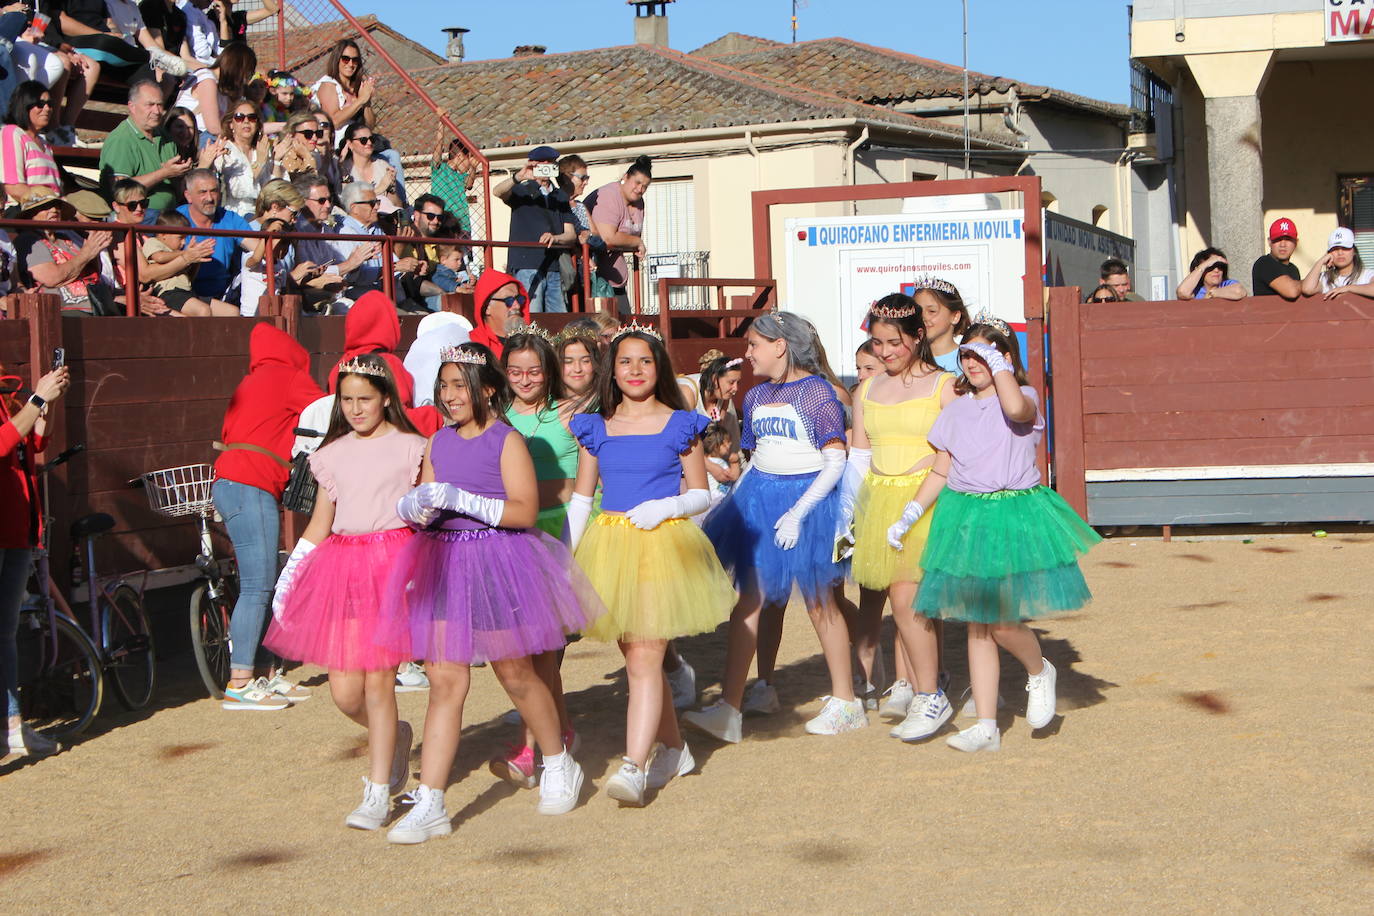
(359, 163)
(345, 96)
(302, 148)
(131, 209)
(1103, 293)
(26, 159)
(1207, 278)
(275, 211)
(245, 162)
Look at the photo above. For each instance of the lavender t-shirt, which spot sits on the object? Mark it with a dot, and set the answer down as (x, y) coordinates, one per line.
(989, 452)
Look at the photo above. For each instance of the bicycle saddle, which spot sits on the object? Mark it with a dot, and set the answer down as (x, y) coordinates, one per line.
(89, 526)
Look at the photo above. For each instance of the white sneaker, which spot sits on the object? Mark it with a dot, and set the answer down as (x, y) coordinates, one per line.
(926, 718)
(720, 720)
(899, 697)
(400, 757)
(254, 695)
(838, 716)
(410, 678)
(24, 740)
(166, 62)
(560, 787)
(425, 819)
(627, 785)
(869, 694)
(667, 763)
(976, 738)
(970, 710)
(1040, 702)
(683, 682)
(376, 804)
(291, 693)
(760, 699)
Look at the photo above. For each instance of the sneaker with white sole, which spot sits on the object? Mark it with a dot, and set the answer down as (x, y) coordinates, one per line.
(291, 693)
(760, 699)
(898, 701)
(915, 707)
(515, 766)
(838, 716)
(667, 763)
(426, 818)
(24, 740)
(411, 678)
(374, 809)
(560, 787)
(924, 720)
(167, 62)
(719, 720)
(976, 738)
(400, 757)
(683, 683)
(869, 695)
(1041, 696)
(970, 710)
(627, 785)
(253, 696)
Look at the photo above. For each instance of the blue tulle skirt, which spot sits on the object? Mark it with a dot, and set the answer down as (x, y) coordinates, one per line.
(741, 529)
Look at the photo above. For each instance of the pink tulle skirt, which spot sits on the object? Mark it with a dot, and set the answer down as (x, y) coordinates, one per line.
(338, 615)
(489, 594)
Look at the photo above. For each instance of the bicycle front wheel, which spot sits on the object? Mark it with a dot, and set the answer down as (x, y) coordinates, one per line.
(210, 634)
(60, 690)
(129, 658)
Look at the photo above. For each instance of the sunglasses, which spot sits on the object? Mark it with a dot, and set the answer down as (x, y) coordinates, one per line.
(429, 215)
(245, 116)
(582, 177)
(511, 301)
(320, 200)
(348, 59)
(1101, 300)
(311, 134)
(368, 203)
(41, 103)
(134, 205)
(367, 139)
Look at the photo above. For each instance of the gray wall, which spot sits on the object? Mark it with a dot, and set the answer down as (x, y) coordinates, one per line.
(1146, 10)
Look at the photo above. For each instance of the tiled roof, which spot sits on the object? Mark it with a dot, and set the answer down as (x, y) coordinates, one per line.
(732, 42)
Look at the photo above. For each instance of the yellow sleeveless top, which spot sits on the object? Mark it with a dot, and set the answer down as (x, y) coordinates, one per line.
(897, 432)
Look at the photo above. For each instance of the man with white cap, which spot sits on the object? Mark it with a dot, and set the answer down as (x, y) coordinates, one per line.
(1274, 274)
(1340, 270)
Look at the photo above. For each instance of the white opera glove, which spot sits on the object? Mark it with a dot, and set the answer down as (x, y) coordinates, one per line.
(855, 469)
(899, 528)
(449, 498)
(288, 574)
(990, 355)
(787, 530)
(651, 513)
(413, 513)
(575, 525)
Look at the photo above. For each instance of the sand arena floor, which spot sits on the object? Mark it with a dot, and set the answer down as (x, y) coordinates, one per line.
(1213, 754)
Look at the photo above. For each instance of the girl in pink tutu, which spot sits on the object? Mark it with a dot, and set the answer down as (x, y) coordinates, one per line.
(480, 583)
(329, 605)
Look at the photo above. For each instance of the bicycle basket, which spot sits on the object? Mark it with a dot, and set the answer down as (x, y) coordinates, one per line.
(180, 491)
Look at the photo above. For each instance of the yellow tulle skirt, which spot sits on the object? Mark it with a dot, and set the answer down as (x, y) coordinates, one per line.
(657, 584)
(881, 501)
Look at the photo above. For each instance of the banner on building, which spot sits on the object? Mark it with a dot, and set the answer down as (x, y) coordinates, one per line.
(1349, 20)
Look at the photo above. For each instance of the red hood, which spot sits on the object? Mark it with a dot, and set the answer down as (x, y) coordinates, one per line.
(269, 345)
(488, 283)
(371, 326)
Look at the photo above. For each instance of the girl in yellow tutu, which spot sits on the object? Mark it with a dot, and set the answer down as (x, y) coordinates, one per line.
(654, 569)
(889, 466)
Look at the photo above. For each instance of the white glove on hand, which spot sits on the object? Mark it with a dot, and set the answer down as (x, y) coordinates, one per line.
(990, 355)
(413, 513)
(787, 530)
(855, 469)
(449, 498)
(579, 511)
(651, 513)
(288, 573)
(899, 528)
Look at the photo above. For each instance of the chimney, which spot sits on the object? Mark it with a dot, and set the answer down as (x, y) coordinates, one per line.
(528, 50)
(651, 22)
(455, 52)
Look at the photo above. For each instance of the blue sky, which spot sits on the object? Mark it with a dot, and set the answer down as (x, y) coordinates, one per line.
(1077, 45)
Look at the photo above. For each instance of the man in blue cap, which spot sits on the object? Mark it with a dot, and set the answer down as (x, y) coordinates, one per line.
(539, 212)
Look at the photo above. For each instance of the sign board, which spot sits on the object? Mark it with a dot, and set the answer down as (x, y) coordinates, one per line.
(1075, 250)
(1349, 20)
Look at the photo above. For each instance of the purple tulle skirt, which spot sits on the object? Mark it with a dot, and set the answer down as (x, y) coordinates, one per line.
(490, 594)
(337, 614)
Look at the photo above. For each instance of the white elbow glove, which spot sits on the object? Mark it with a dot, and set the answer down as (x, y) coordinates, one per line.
(855, 469)
(649, 514)
(288, 574)
(787, 531)
(899, 528)
(449, 498)
(413, 513)
(575, 525)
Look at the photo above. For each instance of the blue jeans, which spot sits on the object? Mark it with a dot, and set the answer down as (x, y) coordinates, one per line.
(545, 286)
(14, 574)
(254, 524)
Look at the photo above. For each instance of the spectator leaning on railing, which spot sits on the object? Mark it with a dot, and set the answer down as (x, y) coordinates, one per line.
(60, 261)
(362, 259)
(1340, 270)
(26, 160)
(277, 206)
(216, 276)
(540, 213)
(572, 180)
(138, 149)
(618, 217)
(1207, 278)
(1274, 274)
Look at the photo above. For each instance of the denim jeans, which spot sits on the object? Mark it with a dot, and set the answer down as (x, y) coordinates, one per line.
(545, 286)
(14, 573)
(254, 524)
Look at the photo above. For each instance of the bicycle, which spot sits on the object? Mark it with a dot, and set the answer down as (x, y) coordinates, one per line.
(182, 491)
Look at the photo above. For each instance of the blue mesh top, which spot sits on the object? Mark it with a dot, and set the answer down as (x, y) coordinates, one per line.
(787, 423)
(637, 468)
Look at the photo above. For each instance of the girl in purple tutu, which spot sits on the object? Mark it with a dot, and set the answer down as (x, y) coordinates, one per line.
(480, 583)
(329, 604)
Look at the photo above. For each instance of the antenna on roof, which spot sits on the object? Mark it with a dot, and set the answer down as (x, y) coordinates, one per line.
(797, 5)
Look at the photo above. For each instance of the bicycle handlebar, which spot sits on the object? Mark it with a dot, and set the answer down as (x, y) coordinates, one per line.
(63, 457)
(309, 433)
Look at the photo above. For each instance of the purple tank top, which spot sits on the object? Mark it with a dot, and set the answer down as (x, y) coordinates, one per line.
(473, 464)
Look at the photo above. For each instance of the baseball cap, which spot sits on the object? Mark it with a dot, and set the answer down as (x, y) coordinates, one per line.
(1283, 228)
(543, 154)
(1341, 238)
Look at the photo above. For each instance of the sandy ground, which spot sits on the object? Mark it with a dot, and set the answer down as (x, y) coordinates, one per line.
(1213, 754)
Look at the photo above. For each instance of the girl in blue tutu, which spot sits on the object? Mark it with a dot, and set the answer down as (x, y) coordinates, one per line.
(1003, 548)
(776, 531)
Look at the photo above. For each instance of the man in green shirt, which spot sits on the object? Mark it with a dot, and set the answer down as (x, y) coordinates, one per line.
(138, 149)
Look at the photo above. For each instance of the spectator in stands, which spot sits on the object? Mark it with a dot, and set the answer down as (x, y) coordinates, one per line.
(231, 25)
(1106, 293)
(14, 22)
(60, 261)
(345, 94)
(1207, 278)
(339, 260)
(179, 124)
(277, 206)
(70, 76)
(1274, 274)
(416, 261)
(138, 149)
(172, 263)
(130, 208)
(618, 217)
(1117, 275)
(572, 180)
(208, 92)
(245, 163)
(360, 203)
(301, 150)
(452, 173)
(216, 276)
(540, 213)
(113, 33)
(26, 160)
(1340, 270)
(502, 305)
(285, 97)
(357, 162)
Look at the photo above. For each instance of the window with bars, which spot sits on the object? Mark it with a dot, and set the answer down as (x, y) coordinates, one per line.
(1356, 210)
(670, 235)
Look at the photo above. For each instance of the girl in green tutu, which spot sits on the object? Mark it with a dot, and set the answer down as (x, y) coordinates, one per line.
(1003, 548)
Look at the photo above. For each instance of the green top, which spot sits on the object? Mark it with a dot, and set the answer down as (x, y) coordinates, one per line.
(128, 153)
(451, 187)
(552, 447)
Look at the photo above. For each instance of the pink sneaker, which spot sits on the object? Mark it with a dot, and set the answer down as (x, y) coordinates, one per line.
(515, 767)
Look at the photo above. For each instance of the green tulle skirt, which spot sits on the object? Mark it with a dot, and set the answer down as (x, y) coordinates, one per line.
(1003, 557)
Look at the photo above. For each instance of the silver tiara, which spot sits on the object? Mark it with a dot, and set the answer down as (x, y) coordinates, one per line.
(992, 321)
(459, 355)
(356, 366)
(634, 327)
(930, 281)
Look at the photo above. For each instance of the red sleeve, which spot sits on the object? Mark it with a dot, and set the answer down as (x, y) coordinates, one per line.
(303, 393)
(9, 438)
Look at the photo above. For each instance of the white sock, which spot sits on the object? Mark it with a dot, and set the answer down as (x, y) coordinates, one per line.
(989, 726)
(556, 761)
